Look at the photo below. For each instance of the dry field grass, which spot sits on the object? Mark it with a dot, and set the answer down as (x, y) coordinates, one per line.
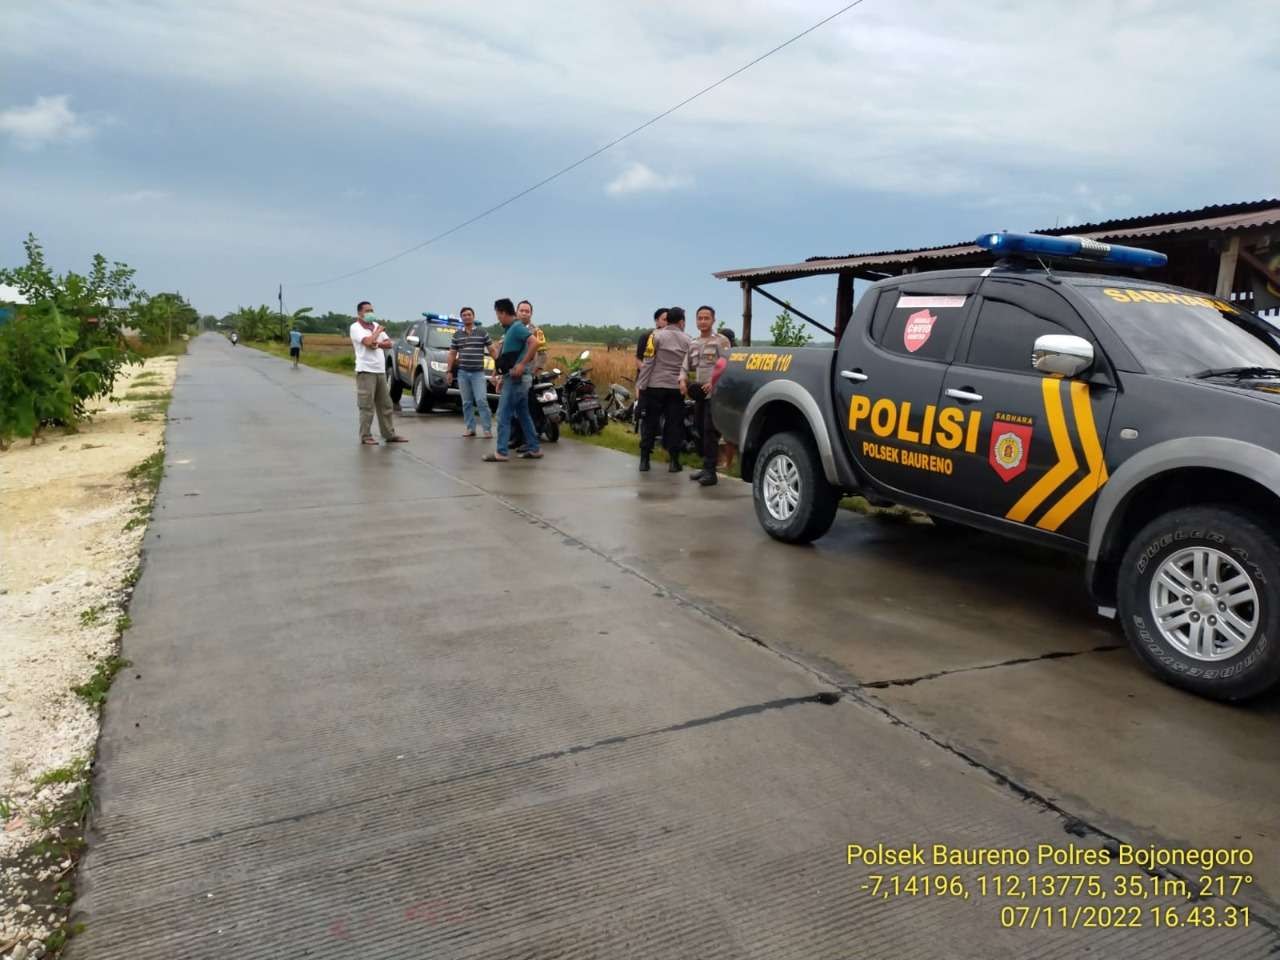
(332, 351)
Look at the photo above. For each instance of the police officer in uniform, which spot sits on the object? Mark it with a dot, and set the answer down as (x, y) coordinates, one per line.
(708, 353)
(662, 400)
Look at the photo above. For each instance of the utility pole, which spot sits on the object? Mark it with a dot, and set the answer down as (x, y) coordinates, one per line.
(280, 298)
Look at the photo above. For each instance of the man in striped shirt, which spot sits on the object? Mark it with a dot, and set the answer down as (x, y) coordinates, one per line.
(466, 359)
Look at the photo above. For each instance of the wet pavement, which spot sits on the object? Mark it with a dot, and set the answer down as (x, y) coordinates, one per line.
(395, 702)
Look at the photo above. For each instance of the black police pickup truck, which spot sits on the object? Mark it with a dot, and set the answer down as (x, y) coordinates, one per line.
(1132, 422)
(419, 360)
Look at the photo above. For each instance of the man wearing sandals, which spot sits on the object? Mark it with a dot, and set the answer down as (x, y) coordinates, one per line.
(369, 339)
(518, 348)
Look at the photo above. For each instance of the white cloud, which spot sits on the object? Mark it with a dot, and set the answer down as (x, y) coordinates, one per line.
(922, 96)
(637, 177)
(140, 196)
(48, 120)
(919, 96)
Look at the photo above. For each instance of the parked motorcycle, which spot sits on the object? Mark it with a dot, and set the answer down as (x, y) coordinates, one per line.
(582, 408)
(619, 405)
(545, 408)
(546, 405)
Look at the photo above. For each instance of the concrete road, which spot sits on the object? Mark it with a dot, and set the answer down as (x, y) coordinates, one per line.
(394, 702)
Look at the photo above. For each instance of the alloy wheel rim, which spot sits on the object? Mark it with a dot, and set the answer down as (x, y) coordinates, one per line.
(1205, 604)
(782, 487)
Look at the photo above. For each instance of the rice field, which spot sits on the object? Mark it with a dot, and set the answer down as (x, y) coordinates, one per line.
(332, 351)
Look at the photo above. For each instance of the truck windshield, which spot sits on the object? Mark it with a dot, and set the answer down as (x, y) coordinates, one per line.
(1184, 334)
(439, 338)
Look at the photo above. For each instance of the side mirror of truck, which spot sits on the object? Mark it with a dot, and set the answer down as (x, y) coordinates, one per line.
(1063, 354)
(411, 338)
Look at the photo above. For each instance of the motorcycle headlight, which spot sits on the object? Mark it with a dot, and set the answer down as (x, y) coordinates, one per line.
(439, 366)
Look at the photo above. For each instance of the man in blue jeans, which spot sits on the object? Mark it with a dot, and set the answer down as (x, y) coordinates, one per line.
(467, 354)
(518, 348)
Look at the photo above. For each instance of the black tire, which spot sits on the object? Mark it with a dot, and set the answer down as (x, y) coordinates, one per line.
(1248, 549)
(552, 432)
(818, 501)
(422, 398)
(394, 387)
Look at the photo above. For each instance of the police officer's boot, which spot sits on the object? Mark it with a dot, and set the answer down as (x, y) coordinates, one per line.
(644, 461)
(674, 465)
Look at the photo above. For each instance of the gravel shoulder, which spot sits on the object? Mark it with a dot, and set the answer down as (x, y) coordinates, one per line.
(70, 535)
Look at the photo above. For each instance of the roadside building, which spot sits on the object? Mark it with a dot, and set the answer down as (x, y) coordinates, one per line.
(1231, 250)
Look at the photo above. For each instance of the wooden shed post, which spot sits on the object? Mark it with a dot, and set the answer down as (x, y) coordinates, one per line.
(1227, 269)
(746, 313)
(844, 302)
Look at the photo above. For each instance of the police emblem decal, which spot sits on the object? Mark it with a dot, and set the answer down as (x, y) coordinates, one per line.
(1010, 443)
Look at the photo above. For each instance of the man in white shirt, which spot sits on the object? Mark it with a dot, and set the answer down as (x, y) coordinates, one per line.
(369, 339)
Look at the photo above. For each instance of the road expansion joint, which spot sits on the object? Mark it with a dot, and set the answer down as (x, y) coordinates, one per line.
(1055, 655)
(826, 698)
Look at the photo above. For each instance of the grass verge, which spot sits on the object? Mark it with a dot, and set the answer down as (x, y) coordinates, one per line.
(618, 436)
(145, 477)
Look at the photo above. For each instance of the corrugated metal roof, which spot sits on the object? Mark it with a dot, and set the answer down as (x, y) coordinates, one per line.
(1218, 217)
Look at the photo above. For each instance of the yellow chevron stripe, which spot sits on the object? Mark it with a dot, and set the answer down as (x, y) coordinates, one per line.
(1061, 470)
(1097, 476)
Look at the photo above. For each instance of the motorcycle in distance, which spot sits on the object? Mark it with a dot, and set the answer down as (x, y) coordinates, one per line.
(235, 338)
(582, 407)
(545, 408)
(620, 405)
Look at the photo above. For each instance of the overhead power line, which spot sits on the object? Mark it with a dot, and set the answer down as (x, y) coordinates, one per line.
(590, 156)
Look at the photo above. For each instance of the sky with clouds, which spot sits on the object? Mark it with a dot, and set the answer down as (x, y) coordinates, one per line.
(225, 147)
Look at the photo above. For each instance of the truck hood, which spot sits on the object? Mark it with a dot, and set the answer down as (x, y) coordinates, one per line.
(1267, 389)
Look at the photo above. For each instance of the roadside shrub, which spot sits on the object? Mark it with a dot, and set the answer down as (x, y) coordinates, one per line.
(64, 346)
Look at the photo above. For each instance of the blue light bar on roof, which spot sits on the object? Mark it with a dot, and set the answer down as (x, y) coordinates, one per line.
(1039, 245)
(442, 318)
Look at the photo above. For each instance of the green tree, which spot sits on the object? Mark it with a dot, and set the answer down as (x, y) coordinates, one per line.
(255, 323)
(788, 331)
(64, 346)
(299, 319)
(160, 317)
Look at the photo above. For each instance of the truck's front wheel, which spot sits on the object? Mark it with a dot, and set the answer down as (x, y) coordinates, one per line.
(794, 501)
(394, 386)
(1199, 601)
(422, 398)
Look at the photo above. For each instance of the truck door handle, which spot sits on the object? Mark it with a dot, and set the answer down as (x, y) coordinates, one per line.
(857, 376)
(964, 394)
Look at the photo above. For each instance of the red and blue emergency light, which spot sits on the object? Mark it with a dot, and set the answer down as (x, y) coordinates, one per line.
(1040, 245)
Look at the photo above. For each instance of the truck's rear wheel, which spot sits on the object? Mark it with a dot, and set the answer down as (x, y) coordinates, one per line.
(1199, 602)
(794, 501)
